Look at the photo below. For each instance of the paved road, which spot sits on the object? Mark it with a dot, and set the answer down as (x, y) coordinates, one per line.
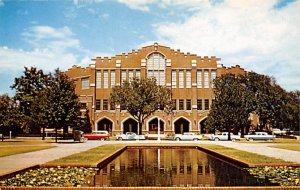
(14, 162)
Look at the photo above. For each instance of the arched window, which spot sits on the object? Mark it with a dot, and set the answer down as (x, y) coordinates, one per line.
(156, 67)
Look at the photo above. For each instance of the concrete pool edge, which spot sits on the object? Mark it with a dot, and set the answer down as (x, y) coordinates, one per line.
(113, 155)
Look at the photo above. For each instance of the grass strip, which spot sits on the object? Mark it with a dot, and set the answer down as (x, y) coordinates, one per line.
(89, 157)
(248, 157)
(295, 147)
(7, 151)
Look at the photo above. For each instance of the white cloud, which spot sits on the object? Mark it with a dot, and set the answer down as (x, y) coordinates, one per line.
(1, 3)
(250, 33)
(15, 60)
(50, 48)
(52, 39)
(141, 5)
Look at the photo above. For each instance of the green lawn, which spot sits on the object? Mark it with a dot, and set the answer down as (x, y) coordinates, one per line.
(90, 157)
(11, 150)
(294, 147)
(243, 156)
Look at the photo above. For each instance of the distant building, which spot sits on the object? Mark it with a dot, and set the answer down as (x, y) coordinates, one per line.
(188, 76)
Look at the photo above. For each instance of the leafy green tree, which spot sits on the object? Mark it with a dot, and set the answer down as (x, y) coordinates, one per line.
(86, 126)
(266, 98)
(141, 98)
(10, 116)
(27, 89)
(291, 114)
(47, 101)
(228, 111)
(63, 109)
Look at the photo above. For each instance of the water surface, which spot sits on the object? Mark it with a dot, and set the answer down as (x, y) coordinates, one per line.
(171, 168)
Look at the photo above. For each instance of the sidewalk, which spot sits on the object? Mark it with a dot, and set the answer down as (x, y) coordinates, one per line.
(264, 149)
(19, 161)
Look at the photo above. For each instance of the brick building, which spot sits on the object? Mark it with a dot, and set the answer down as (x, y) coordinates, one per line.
(188, 75)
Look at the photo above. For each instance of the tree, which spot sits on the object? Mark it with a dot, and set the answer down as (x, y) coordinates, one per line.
(27, 89)
(228, 110)
(141, 98)
(291, 114)
(266, 98)
(86, 126)
(10, 117)
(63, 109)
(47, 100)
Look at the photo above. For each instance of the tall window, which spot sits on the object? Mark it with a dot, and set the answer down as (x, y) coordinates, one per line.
(188, 79)
(138, 74)
(112, 78)
(213, 77)
(98, 104)
(98, 79)
(181, 106)
(156, 67)
(188, 104)
(130, 75)
(105, 104)
(199, 104)
(206, 104)
(206, 79)
(105, 79)
(181, 79)
(174, 102)
(174, 79)
(199, 78)
(123, 76)
(85, 83)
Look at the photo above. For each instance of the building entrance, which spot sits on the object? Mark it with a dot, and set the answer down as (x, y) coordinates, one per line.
(181, 125)
(105, 124)
(153, 126)
(130, 125)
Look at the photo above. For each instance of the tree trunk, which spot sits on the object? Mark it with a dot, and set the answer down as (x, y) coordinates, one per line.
(242, 131)
(140, 128)
(56, 135)
(229, 136)
(43, 135)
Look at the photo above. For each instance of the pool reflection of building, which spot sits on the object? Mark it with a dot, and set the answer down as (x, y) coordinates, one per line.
(157, 167)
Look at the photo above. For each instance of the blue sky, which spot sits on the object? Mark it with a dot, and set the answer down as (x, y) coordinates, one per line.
(262, 36)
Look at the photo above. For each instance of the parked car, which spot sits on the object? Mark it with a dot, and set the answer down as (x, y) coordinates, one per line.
(97, 135)
(224, 137)
(187, 136)
(259, 136)
(277, 131)
(130, 136)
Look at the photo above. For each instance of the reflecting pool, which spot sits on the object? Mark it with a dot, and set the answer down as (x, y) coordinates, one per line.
(171, 168)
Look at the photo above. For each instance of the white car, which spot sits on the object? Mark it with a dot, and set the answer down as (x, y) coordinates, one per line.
(187, 136)
(277, 131)
(224, 137)
(259, 136)
(130, 136)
